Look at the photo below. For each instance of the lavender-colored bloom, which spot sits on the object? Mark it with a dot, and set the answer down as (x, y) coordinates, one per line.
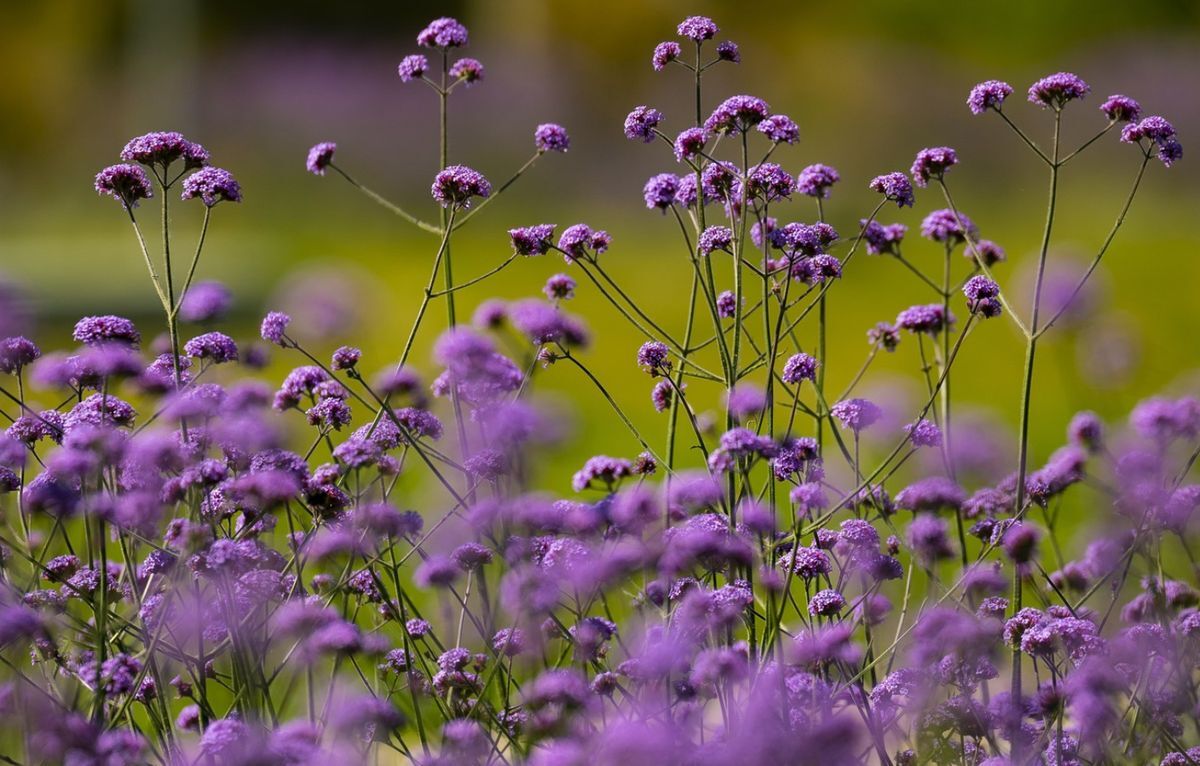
(809, 498)
(806, 562)
(577, 239)
(1057, 89)
(986, 250)
(982, 296)
(601, 468)
(205, 302)
(895, 187)
(745, 400)
(1020, 542)
(1158, 130)
(664, 53)
(728, 51)
(654, 357)
(457, 184)
(715, 238)
(162, 148)
(817, 180)
(689, 143)
(99, 330)
(641, 123)
(559, 287)
(930, 319)
(884, 335)
(659, 191)
(932, 163)
(882, 238)
(125, 183)
(443, 33)
(929, 538)
(412, 67)
(826, 603)
(856, 414)
(274, 327)
(662, 395)
(1164, 420)
(780, 129)
(1087, 431)
(698, 28)
(320, 156)
(532, 240)
(16, 353)
(931, 494)
(1120, 108)
(551, 137)
(737, 114)
(212, 185)
(768, 182)
(726, 304)
(924, 433)
(216, 347)
(467, 70)
(948, 226)
(436, 571)
(989, 94)
(800, 367)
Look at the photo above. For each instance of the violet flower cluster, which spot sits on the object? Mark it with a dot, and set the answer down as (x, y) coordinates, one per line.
(205, 564)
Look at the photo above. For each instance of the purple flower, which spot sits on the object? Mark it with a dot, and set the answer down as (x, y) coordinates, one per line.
(1160, 132)
(947, 226)
(780, 129)
(559, 287)
(982, 296)
(929, 538)
(98, 330)
(931, 494)
(443, 33)
(16, 353)
(989, 94)
(698, 28)
(929, 319)
(895, 187)
(164, 147)
(1087, 431)
(659, 191)
(728, 51)
(689, 143)
(745, 400)
(468, 70)
(320, 157)
(215, 346)
(551, 137)
(809, 498)
(212, 185)
(883, 239)
(274, 327)
(737, 114)
(125, 183)
(884, 335)
(1020, 542)
(798, 368)
(726, 304)
(987, 251)
(654, 357)
(932, 163)
(205, 302)
(436, 571)
(532, 240)
(601, 468)
(641, 123)
(715, 238)
(769, 182)
(806, 562)
(1120, 108)
(457, 184)
(817, 180)
(664, 53)
(412, 67)
(346, 358)
(924, 433)
(826, 603)
(856, 414)
(1057, 89)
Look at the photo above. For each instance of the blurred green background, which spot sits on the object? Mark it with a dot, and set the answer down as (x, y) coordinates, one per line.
(869, 83)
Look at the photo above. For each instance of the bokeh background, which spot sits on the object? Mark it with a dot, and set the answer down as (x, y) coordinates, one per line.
(869, 82)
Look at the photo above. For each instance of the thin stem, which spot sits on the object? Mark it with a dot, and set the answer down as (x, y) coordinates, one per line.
(422, 225)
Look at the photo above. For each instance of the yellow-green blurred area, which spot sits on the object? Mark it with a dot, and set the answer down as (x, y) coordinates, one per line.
(868, 82)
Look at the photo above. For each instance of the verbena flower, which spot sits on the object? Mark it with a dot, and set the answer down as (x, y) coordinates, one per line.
(641, 123)
(412, 67)
(551, 137)
(737, 114)
(689, 143)
(664, 53)
(780, 129)
(1121, 108)
(468, 70)
(457, 185)
(698, 28)
(989, 94)
(659, 191)
(319, 157)
(532, 240)
(856, 414)
(895, 187)
(932, 164)
(205, 302)
(443, 33)
(163, 148)
(125, 183)
(1057, 90)
(817, 180)
(212, 185)
(715, 238)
